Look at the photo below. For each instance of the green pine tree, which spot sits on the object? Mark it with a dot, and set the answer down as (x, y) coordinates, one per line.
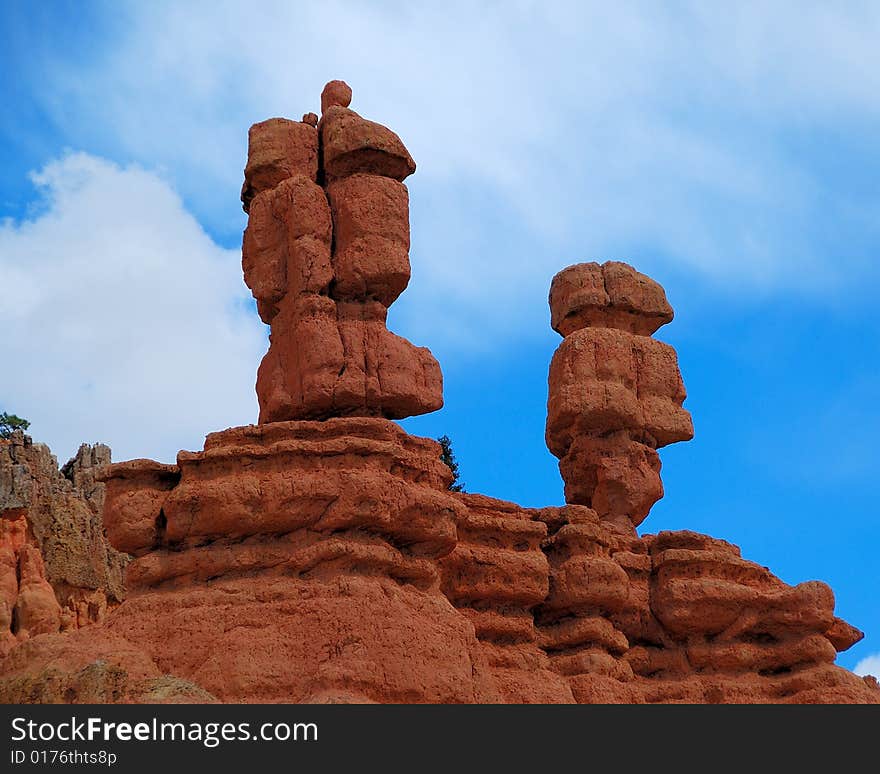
(448, 459)
(9, 423)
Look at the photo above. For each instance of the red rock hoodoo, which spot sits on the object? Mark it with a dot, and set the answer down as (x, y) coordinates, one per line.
(320, 555)
(616, 394)
(325, 253)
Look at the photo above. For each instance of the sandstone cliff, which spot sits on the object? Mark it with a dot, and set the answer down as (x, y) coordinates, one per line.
(320, 556)
(57, 570)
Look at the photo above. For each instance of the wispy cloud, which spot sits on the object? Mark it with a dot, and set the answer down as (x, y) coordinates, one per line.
(123, 322)
(693, 139)
(870, 665)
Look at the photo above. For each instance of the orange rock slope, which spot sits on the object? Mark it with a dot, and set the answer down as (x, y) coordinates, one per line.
(320, 556)
(57, 570)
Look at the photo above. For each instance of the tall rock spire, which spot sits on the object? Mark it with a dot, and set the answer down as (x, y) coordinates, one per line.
(615, 393)
(325, 253)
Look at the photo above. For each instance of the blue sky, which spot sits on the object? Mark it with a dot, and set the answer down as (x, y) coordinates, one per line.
(729, 153)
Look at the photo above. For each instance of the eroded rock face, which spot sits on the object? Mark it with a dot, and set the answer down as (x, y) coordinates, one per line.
(587, 586)
(325, 253)
(615, 394)
(320, 556)
(294, 561)
(496, 576)
(90, 666)
(57, 570)
(735, 633)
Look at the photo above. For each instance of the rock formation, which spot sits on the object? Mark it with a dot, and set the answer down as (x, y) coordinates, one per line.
(588, 586)
(616, 394)
(325, 253)
(293, 561)
(730, 631)
(496, 576)
(320, 555)
(57, 571)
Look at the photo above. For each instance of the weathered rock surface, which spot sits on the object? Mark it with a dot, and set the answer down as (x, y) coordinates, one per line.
(308, 543)
(325, 252)
(613, 295)
(295, 562)
(320, 555)
(587, 587)
(496, 575)
(615, 394)
(90, 666)
(57, 570)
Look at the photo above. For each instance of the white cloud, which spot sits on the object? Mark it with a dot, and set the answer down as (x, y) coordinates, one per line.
(122, 321)
(545, 133)
(870, 665)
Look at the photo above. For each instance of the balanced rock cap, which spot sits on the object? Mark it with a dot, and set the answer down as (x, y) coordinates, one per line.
(352, 145)
(613, 295)
(278, 148)
(335, 93)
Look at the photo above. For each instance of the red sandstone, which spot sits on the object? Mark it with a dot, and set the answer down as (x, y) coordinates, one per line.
(320, 556)
(615, 393)
(57, 571)
(325, 252)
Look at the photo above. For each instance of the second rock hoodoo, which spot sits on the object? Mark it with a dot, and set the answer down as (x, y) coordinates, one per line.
(615, 393)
